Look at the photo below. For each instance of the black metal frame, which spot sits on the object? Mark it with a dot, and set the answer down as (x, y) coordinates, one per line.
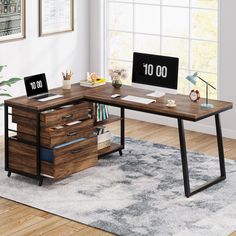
(184, 158)
(122, 130)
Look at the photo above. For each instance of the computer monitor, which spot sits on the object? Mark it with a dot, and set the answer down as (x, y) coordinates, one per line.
(157, 73)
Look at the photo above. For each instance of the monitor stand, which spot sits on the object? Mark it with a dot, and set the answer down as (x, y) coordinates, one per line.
(156, 94)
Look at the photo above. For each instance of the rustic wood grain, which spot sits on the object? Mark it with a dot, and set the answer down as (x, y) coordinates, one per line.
(185, 109)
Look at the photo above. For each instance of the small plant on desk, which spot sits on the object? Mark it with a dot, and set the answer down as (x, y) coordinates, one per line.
(6, 83)
(117, 75)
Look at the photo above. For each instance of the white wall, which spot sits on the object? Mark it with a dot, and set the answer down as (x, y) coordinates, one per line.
(227, 64)
(50, 54)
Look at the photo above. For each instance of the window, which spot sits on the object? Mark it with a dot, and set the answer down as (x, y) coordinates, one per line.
(187, 29)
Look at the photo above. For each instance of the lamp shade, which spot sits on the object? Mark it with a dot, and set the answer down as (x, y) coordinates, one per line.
(192, 78)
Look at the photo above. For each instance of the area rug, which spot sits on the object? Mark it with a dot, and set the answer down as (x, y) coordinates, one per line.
(140, 193)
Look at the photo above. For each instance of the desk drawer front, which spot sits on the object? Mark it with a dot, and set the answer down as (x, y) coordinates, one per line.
(72, 158)
(56, 117)
(65, 115)
(51, 137)
(65, 169)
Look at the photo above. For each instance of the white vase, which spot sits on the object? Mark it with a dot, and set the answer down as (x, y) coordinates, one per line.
(66, 84)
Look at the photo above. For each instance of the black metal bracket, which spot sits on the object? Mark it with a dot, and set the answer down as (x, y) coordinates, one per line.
(187, 189)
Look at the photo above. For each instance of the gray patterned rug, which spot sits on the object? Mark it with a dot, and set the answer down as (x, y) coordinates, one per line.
(138, 194)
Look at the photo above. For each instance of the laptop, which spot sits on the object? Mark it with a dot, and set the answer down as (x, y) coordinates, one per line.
(37, 88)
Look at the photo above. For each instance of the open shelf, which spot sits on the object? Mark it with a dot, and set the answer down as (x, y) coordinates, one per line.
(108, 150)
(112, 118)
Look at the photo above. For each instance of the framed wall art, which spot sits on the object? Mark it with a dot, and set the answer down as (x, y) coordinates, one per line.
(12, 20)
(55, 16)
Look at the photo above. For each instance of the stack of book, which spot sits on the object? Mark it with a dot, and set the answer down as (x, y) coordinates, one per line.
(98, 82)
(102, 112)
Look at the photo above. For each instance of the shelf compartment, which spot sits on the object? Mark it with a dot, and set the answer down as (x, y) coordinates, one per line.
(111, 119)
(108, 150)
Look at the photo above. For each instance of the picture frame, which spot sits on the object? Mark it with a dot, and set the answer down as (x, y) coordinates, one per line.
(12, 20)
(56, 16)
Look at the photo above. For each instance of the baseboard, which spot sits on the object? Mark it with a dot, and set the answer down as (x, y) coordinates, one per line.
(202, 127)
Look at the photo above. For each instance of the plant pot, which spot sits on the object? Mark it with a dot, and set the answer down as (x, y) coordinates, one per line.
(116, 83)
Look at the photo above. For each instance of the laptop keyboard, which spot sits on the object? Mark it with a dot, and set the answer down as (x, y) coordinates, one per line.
(45, 96)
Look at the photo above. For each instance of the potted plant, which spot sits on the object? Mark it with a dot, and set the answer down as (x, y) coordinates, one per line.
(6, 83)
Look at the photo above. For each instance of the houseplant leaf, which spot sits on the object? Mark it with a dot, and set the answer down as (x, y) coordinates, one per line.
(9, 82)
(5, 95)
(1, 67)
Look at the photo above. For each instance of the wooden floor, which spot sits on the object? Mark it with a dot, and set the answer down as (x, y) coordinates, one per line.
(17, 219)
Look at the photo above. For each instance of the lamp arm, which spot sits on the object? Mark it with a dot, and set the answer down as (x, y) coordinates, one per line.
(206, 82)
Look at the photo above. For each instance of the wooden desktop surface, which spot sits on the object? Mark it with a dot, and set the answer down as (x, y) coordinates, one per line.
(185, 109)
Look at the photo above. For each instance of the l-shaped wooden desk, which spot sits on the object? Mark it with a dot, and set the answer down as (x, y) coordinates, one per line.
(185, 110)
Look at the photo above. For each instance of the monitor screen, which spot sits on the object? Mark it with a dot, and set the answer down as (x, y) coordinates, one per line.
(155, 70)
(35, 85)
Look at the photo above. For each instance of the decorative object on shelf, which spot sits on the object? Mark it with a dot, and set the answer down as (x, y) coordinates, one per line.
(92, 80)
(12, 20)
(103, 137)
(193, 79)
(194, 95)
(4, 83)
(171, 103)
(117, 76)
(67, 80)
(56, 16)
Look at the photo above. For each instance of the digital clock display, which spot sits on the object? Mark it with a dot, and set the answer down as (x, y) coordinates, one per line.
(155, 70)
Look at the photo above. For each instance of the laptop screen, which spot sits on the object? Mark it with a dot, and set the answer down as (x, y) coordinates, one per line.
(36, 85)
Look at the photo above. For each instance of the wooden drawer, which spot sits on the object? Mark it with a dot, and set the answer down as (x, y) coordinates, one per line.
(56, 117)
(22, 157)
(67, 160)
(67, 169)
(72, 158)
(51, 137)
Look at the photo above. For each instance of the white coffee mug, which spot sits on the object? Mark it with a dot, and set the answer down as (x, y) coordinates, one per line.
(171, 102)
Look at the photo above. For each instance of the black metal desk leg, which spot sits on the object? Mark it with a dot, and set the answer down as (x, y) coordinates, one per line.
(184, 157)
(6, 126)
(122, 129)
(220, 146)
(222, 177)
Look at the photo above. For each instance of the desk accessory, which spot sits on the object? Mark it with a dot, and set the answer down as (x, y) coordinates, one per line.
(37, 88)
(193, 79)
(171, 103)
(140, 100)
(115, 95)
(117, 76)
(194, 95)
(92, 81)
(67, 80)
(158, 71)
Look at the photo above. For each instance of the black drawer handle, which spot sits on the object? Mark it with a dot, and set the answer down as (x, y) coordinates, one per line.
(72, 133)
(75, 151)
(67, 117)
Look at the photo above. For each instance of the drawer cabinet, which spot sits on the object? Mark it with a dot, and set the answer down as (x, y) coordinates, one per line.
(67, 141)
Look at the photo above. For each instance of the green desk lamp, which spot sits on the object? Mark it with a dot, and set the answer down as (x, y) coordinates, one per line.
(193, 79)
